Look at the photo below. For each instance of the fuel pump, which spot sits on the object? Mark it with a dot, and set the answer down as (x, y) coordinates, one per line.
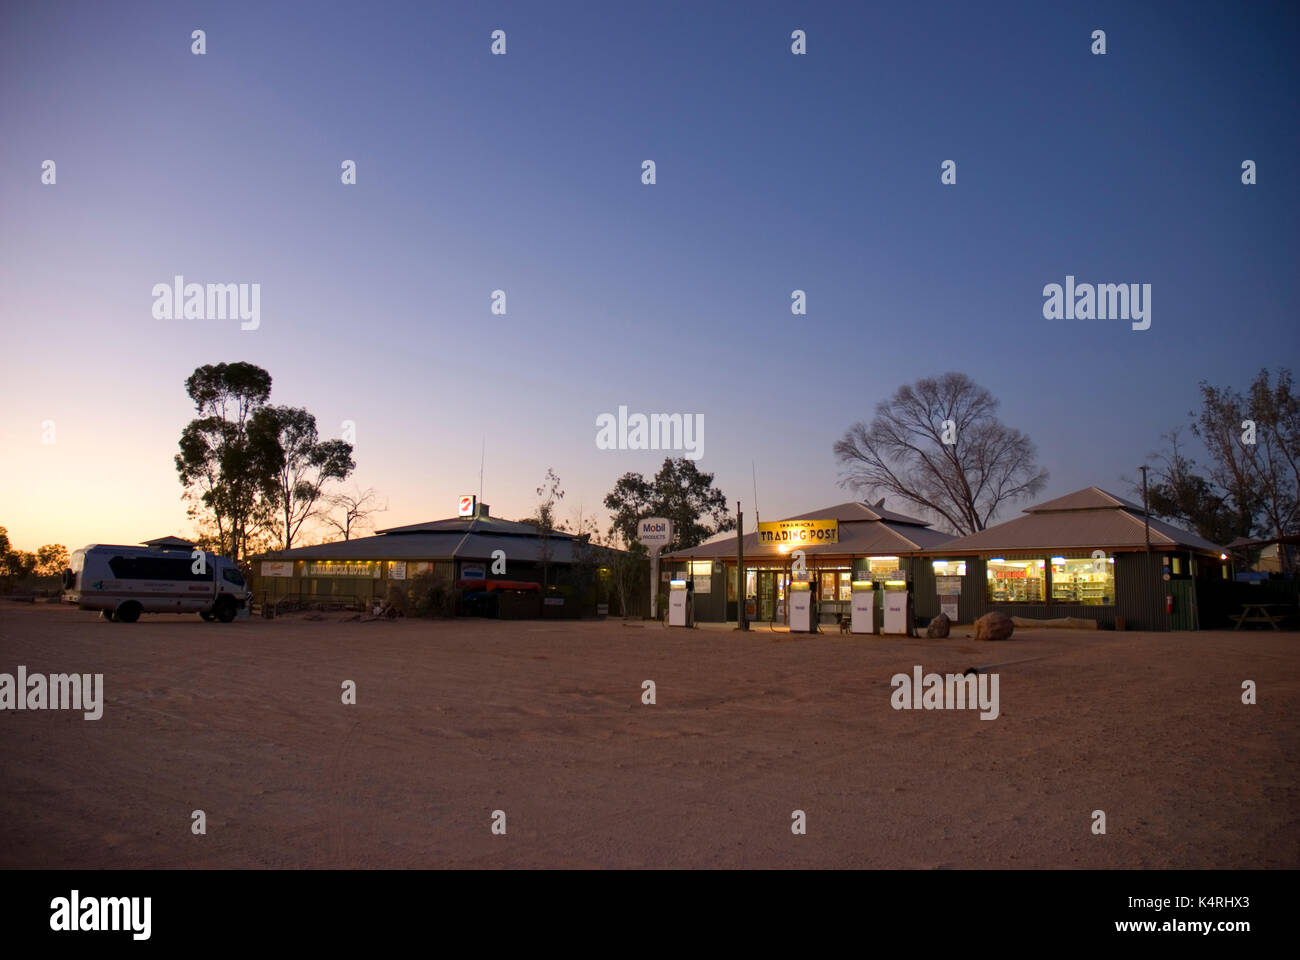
(863, 617)
(678, 604)
(898, 608)
(801, 606)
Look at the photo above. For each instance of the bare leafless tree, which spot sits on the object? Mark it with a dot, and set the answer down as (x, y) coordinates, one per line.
(1254, 445)
(938, 445)
(584, 524)
(351, 512)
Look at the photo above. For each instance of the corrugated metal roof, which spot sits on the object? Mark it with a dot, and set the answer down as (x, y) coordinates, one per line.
(1088, 518)
(480, 547)
(471, 525)
(159, 543)
(462, 538)
(854, 511)
(862, 532)
(1089, 498)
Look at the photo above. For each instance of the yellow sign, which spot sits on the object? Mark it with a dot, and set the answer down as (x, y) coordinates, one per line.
(336, 568)
(798, 533)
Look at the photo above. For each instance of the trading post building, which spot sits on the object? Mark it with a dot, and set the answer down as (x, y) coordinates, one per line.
(1087, 555)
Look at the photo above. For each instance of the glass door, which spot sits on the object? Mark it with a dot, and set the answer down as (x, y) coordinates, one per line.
(766, 594)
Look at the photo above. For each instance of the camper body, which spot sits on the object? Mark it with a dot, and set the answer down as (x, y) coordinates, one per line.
(124, 582)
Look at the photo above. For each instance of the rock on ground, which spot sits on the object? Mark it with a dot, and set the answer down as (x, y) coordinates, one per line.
(994, 626)
(939, 626)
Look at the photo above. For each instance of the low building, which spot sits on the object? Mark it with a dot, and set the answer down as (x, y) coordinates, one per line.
(839, 544)
(1083, 555)
(476, 550)
(170, 543)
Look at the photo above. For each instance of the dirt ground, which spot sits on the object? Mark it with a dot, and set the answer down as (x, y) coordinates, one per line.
(544, 720)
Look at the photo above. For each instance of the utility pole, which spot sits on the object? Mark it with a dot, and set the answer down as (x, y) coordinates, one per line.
(1146, 511)
(741, 620)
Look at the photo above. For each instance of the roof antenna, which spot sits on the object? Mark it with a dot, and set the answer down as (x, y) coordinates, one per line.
(754, 472)
(481, 454)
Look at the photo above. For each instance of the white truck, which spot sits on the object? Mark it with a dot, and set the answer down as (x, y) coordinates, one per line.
(123, 582)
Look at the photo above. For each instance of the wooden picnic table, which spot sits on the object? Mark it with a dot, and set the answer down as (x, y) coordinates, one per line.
(1263, 616)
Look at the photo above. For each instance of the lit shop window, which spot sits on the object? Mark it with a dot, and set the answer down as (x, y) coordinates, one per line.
(1016, 581)
(949, 568)
(827, 585)
(1090, 581)
(836, 585)
(731, 584)
(751, 583)
(882, 567)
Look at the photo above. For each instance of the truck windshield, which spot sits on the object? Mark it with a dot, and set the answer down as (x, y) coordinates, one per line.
(232, 575)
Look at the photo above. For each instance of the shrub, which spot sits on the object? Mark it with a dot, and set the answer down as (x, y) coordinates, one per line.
(432, 596)
(397, 600)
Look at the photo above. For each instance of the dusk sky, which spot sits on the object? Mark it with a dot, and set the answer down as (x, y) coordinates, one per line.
(522, 172)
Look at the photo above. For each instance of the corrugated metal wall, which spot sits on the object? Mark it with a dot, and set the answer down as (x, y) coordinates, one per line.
(1140, 592)
(974, 590)
(971, 604)
(920, 571)
(711, 607)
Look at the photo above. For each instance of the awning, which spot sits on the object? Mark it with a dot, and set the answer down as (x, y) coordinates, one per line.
(477, 584)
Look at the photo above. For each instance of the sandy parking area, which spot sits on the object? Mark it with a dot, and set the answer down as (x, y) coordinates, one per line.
(544, 720)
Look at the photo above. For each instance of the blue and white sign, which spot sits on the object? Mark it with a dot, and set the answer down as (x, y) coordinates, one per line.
(654, 532)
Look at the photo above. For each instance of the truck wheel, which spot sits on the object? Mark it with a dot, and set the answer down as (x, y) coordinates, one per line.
(106, 615)
(128, 612)
(225, 610)
(206, 616)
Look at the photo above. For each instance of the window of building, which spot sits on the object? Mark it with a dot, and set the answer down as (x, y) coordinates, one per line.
(731, 584)
(949, 568)
(1090, 581)
(846, 584)
(882, 567)
(1016, 581)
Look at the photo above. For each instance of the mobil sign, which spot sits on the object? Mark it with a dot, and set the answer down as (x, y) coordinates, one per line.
(654, 531)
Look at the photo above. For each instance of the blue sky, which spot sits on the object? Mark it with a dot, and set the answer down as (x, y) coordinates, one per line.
(521, 172)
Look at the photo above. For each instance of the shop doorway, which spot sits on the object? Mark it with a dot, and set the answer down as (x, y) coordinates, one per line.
(772, 586)
(766, 595)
